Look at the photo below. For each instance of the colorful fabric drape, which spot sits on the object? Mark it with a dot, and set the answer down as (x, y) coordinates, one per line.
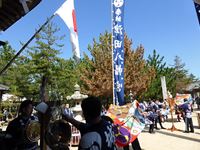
(179, 99)
(118, 50)
(128, 124)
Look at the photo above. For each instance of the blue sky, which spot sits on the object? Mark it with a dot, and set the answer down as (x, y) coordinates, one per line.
(170, 27)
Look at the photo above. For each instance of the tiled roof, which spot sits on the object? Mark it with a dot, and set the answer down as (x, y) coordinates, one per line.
(193, 86)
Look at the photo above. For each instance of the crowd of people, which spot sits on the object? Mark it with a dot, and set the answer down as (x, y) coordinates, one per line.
(157, 112)
(97, 132)
(154, 112)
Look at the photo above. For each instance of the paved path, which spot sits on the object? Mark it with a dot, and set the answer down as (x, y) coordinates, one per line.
(168, 140)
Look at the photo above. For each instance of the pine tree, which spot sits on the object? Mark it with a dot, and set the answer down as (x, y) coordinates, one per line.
(9, 75)
(40, 60)
(182, 79)
(155, 90)
(44, 60)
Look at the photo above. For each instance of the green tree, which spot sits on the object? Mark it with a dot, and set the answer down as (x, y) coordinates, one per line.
(40, 60)
(44, 60)
(182, 78)
(157, 62)
(6, 54)
(63, 81)
(9, 76)
(20, 80)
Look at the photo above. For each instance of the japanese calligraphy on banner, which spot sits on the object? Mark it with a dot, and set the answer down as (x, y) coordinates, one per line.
(118, 50)
(197, 7)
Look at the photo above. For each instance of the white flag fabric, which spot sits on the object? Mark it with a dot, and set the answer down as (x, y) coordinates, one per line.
(164, 87)
(67, 13)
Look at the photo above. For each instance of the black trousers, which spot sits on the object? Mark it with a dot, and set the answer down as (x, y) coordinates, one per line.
(151, 128)
(158, 120)
(189, 124)
(135, 145)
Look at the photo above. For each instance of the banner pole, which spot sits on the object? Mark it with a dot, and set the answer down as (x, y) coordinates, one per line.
(25, 45)
(113, 79)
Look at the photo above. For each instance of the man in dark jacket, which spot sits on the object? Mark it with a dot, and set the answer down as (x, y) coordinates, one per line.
(16, 130)
(96, 133)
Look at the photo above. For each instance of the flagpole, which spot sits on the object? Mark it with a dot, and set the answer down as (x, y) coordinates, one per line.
(112, 52)
(25, 45)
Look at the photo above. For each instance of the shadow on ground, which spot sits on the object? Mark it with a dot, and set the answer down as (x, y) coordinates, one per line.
(179, 136)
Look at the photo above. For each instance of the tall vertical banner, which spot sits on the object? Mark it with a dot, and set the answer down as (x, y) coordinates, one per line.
(118, 50)
(164, 87)
(197, 7)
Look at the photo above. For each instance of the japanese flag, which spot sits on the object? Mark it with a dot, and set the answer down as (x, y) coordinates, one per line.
(67, 13)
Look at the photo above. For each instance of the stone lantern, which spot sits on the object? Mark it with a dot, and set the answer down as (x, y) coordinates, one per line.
(77, 97)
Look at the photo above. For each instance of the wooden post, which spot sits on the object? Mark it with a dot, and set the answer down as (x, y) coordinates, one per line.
(171, 103)
(44, 98)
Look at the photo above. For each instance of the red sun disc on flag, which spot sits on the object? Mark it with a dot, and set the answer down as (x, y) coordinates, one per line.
(74, 20)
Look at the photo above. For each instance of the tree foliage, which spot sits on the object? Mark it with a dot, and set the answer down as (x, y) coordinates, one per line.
(6, 54)
(40, 60)
(9, 76)
(138, 75)
(93, 73)
(157, 62)
(177, 78)
(96, 72)
(45, 62)
(182, 78)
